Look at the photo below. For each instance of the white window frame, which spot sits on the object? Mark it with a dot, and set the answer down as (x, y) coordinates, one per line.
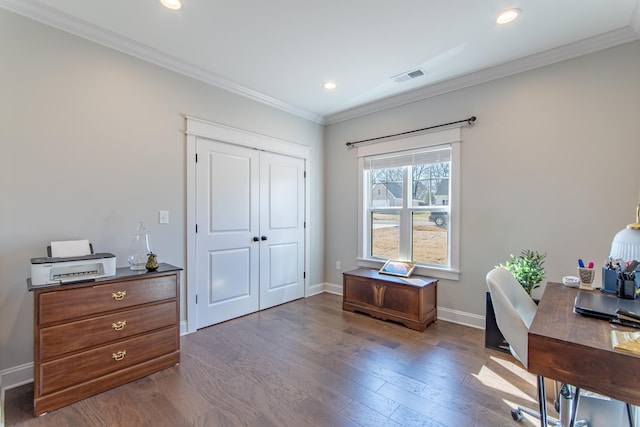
(449, 137)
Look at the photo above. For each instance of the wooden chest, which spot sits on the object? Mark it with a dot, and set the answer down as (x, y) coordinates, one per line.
(412, 302)
(91, 337)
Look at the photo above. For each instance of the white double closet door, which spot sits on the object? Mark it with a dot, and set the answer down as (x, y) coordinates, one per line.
(250, 230)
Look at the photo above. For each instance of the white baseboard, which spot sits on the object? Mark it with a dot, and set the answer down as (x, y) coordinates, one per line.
(183, 328)
(324, 287)
(333, 289)
(316, 289)
(463, 318)
(12, 378)
(16, 376)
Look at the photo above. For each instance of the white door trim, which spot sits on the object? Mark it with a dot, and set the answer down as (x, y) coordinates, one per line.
(201, 128)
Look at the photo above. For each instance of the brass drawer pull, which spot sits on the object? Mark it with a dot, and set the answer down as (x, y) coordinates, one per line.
(119, 355)
(118, 326)
(118, 296)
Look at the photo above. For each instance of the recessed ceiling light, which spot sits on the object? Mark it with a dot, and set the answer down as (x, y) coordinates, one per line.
(171, 4)
(329, 85)
(508, 15)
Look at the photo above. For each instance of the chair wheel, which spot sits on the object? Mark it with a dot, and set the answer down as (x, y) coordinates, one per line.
(516, 415)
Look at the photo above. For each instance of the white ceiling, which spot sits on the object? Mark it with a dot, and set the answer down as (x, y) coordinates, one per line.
(280, 52)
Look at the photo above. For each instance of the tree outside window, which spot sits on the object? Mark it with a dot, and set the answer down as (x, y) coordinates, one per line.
(407, 205)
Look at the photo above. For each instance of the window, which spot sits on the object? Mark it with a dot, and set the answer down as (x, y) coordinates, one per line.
(409, 202)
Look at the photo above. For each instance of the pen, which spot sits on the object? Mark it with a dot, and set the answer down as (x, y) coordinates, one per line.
(580, 263)
(624, 322)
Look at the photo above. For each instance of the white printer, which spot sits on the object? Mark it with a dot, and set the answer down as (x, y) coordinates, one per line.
(69, 262)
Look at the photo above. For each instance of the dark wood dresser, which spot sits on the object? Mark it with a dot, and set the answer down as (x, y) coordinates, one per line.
(90, 337)
(412, 302)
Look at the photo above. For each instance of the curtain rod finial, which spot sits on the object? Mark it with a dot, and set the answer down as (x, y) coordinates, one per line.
(471, 119)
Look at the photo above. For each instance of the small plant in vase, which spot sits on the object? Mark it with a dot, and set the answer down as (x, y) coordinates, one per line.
(527, 268)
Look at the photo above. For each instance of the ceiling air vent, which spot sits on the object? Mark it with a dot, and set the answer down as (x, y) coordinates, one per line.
(408, 75)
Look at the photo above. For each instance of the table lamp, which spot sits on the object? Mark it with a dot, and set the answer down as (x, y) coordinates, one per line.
(626, 243)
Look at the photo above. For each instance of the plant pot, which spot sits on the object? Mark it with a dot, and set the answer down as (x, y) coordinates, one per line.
(492, 336)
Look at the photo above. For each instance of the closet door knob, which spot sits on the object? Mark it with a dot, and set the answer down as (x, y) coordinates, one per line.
(256, 239)
(263, 238)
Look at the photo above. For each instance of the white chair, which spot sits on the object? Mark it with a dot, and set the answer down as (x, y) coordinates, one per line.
(514, 310)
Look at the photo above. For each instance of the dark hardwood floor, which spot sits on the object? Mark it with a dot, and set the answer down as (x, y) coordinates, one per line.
(308, 363)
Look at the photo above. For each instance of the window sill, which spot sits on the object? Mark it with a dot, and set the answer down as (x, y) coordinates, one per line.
(437, 273)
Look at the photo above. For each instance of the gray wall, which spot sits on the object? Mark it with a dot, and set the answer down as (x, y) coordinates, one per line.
(92, 141)
(552, 164)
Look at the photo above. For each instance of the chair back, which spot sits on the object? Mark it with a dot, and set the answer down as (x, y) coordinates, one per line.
(514, 310)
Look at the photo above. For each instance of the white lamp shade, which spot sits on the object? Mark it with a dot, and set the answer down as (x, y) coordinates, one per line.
(626, 245)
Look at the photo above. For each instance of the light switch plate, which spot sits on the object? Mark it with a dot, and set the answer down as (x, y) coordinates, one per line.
(163, 217)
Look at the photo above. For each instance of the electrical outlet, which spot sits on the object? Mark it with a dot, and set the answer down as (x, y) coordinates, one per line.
(163, 217)
(338, 265)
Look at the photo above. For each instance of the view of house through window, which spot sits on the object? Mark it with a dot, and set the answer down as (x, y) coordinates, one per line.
(408, 205)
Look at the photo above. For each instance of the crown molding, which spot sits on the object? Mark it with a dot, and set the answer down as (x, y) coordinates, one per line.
(551, 56)
(54, 18)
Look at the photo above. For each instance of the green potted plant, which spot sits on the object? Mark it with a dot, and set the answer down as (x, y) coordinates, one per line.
(527, 268)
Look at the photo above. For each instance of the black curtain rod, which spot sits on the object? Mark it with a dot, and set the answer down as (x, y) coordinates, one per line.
(469, 121)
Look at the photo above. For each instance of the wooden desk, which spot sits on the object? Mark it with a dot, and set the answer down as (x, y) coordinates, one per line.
(574, 349)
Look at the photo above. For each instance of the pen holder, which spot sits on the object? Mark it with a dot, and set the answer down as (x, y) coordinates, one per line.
(586, 276)
(609, 281)
(626, 288)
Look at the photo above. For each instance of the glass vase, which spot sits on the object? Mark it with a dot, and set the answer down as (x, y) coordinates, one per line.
(139, 248)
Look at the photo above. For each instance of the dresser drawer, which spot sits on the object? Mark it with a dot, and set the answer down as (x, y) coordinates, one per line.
(71, 303)
(60, 339)
(82, 367)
